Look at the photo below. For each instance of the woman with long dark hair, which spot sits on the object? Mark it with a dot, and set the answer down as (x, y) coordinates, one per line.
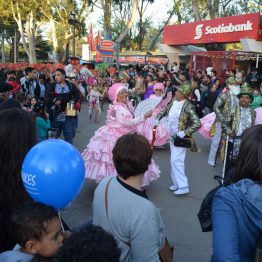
(42, 121)
(237, 209)
(17, 136)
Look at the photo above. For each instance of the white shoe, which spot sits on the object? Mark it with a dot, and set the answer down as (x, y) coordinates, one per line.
(211, 163)
(182, 191)
(173, 188)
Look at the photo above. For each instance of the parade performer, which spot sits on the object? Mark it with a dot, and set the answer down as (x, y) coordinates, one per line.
(182, 122)
(120, 120)
(225, 102)
(240, 118)
(156, 133)
(94, 103)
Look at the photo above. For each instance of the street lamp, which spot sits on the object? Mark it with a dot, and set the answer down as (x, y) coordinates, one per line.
(72, 21)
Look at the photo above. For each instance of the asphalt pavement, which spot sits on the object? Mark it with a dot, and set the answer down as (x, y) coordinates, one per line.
(179, 212)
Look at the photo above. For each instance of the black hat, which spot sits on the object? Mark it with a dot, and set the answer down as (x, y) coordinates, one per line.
(39, 106)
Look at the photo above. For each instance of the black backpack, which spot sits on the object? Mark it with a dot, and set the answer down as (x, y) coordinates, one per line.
(204, 214)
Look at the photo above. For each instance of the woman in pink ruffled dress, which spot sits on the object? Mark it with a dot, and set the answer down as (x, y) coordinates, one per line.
(120, 120)
(161, 133)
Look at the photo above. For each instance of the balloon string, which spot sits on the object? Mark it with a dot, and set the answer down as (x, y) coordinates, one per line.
(62, 226)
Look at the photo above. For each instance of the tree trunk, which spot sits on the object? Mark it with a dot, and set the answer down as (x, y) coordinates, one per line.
(196, 12)
(106, 5)
(216, 9)
(11, 54)
(66, 55)
(30, 30)
(54, 37)
(140, 33)
(161, 30)
(31, 38)
(126, 29)
(3, 46)
(177, 6)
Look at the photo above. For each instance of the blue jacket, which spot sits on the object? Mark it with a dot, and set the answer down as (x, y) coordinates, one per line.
(237, 221)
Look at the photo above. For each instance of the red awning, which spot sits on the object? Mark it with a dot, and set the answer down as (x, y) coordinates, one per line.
(220, 30)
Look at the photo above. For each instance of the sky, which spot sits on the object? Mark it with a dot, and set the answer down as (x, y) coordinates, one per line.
(158, 10)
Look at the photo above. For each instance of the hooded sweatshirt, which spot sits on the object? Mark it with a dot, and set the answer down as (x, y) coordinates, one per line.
(237, 221)
(15, 255)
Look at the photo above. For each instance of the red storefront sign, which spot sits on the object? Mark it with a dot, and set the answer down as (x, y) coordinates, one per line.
(143, 60)
(221, 30)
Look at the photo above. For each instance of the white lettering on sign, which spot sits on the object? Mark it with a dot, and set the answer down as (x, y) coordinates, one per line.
(230, 28)
(28, 179)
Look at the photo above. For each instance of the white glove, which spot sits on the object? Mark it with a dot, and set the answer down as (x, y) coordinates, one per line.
(181, 134)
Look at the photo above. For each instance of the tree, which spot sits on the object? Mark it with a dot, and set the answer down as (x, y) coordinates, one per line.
(27, 18)
(141, 11)
(171, 13)
(128, 25)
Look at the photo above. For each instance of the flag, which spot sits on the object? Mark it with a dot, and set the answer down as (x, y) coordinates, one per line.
(98, 56)
(90, 38)
(98, 40)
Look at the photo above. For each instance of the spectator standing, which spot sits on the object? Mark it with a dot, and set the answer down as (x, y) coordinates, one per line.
(257, 102)
(27, 82)
(41, 86)
(253, 78)
(138, 228)
(59, 95)
(149, 86)
(139, 88)
(211, 98)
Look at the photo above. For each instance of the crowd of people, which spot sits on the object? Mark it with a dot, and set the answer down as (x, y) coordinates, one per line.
(40, 104)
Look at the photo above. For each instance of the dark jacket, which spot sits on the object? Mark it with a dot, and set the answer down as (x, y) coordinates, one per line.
(52, 96)
(37, 90)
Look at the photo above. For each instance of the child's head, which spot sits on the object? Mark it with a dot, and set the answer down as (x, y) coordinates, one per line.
(256, 92)
(37, 229)
(91, 243)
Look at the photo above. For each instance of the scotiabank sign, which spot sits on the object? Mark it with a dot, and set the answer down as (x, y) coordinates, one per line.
(220, 30)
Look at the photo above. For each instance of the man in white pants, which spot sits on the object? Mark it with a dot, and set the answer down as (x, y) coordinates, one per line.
(225, 103)
(182, 121)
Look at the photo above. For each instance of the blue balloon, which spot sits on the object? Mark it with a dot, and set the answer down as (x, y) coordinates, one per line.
(53, 173)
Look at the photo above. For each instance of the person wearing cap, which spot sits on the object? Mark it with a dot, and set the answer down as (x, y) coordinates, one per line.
(241, 118)
(120, 120)
(182, 122)
(59, 95)
(225, 102)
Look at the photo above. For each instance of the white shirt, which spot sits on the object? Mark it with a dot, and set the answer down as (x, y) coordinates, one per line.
(173, 116)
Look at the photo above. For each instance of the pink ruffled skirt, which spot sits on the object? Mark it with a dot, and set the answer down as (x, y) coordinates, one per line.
(162, 133)
(206, 124)
(98, 156)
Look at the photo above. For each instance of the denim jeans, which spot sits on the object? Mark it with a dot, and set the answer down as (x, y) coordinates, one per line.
(68, 127)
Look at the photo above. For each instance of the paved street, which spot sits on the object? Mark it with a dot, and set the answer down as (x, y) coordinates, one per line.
(179, 212)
